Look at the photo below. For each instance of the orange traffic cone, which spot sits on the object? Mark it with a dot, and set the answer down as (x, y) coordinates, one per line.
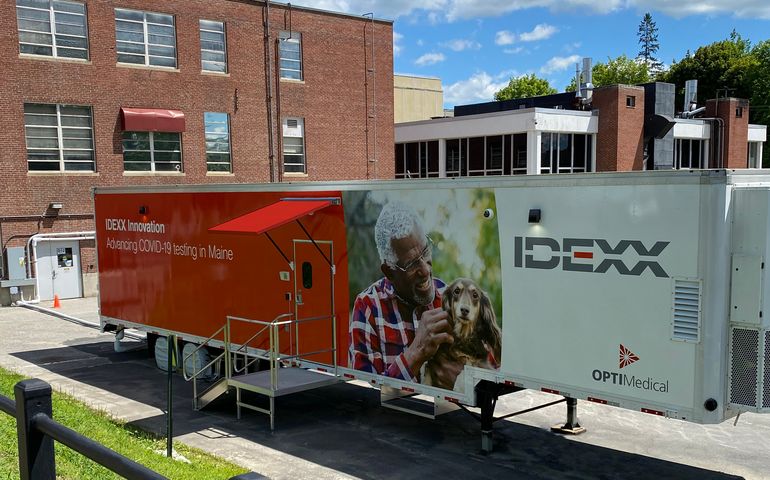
(56, 302)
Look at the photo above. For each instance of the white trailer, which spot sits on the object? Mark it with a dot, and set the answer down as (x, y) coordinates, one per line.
(639, 290)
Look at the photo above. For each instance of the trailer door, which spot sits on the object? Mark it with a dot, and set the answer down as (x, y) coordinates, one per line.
(313, 300)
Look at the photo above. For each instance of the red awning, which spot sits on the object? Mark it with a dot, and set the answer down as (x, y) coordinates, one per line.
(151, 120)
(272, 216)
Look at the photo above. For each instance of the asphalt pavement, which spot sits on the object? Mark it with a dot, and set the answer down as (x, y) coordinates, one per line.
(341, 431)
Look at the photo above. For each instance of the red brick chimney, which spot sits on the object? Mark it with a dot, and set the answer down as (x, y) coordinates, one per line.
(619, 142)
(735, 147)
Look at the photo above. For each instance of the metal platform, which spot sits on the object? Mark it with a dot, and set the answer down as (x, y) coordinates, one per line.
(290, 380)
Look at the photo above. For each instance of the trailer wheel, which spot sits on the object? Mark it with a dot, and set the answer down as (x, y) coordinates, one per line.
(151, 339)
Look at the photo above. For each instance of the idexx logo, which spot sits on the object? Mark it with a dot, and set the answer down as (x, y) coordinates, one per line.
(625, 358)
(576, 255)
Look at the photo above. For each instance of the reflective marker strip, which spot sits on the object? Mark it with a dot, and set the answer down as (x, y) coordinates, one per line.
(549, 390)
(597, 400)
(407, 389)
(653, 412)
(583, 255)
(347, 375)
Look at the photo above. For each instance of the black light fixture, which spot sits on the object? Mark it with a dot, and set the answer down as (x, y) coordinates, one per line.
(144, 209)
(534, 215)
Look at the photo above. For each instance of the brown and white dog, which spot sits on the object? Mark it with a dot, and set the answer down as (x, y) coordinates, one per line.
(477, 338)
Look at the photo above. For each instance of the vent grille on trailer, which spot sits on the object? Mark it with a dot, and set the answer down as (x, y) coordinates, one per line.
(766, 379)
(744, 346)
(687, 311)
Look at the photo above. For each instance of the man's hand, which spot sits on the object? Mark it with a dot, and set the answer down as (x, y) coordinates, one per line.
(434, 330)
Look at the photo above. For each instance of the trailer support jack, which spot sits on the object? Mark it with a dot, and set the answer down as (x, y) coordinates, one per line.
(572, 427)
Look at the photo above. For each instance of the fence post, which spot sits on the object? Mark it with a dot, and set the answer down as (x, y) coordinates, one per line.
(36, 454)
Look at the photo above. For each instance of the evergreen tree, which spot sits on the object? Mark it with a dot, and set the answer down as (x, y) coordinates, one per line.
(648, 39)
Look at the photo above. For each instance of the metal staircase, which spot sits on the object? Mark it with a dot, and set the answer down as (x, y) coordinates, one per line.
(287, 373)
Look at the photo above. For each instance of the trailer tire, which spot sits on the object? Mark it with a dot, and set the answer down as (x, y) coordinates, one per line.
(151, 339)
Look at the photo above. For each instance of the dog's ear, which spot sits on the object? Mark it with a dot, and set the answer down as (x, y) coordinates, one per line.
(447, 298)
(488, 330)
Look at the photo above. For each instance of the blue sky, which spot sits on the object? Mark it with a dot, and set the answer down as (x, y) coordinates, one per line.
(476, 46)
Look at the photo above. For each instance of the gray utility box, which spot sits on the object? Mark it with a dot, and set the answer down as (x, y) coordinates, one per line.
(15, 263)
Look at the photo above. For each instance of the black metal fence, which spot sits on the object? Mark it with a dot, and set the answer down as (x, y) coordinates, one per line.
(37, 432)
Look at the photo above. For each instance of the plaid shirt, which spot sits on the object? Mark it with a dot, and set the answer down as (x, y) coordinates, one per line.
(378, 334)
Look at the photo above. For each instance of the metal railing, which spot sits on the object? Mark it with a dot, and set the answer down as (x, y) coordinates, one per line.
(274, 355)
(37, 432)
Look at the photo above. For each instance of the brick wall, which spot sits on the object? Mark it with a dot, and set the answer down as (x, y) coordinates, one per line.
(619, 142)
(332, 99)
(735, 147)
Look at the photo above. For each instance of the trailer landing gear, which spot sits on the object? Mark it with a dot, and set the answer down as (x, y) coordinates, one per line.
(487, 394)
(572, 427)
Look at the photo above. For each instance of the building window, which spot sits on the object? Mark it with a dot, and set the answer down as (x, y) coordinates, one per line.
(739, 112)
(688, 153)
(565, 152)
(54, 28)
(630, 101)
(755, 161)
(152, 152)
(145, 38)
(294, 145)
(217, 131)
(213, 46)
(457, 157)
(59, 138)
(290, 52)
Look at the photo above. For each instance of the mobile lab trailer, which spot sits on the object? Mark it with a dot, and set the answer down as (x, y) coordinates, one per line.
(639, 290)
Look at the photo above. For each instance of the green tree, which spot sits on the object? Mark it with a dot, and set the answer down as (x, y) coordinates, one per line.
(648, 41)
(620, 70)
(759, 81)
(524, 87)
(721, 68)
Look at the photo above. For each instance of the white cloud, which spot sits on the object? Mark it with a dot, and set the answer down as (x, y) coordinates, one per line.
(430, 59)
(480, 87)
(739, 8)
(458, 45)
(452, 10)
(542, 31)
(571, 47)
(558, 64)
(397, 48)
(513, 51)
(504, 37)
(420, 42)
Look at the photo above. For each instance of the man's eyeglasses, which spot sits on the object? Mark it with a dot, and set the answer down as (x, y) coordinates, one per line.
(414, 264)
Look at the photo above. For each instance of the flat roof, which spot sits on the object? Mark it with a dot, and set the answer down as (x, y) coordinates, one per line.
(317, 10)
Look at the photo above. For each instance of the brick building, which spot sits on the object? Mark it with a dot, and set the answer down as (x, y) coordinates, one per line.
(135, 92)
(619, 128)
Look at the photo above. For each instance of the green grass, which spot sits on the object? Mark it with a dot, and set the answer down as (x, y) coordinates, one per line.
(133, 443)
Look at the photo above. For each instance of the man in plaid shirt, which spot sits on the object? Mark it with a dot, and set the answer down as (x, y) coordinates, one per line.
(397, 323)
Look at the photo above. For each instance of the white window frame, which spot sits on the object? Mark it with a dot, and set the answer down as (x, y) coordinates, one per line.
(208, 132)
(60, 138)
(678, 154)
(52, 33)
(298, 132)
(146, 40)
(223, 52)
(555, 154)
(287, 37)
(152, 151)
